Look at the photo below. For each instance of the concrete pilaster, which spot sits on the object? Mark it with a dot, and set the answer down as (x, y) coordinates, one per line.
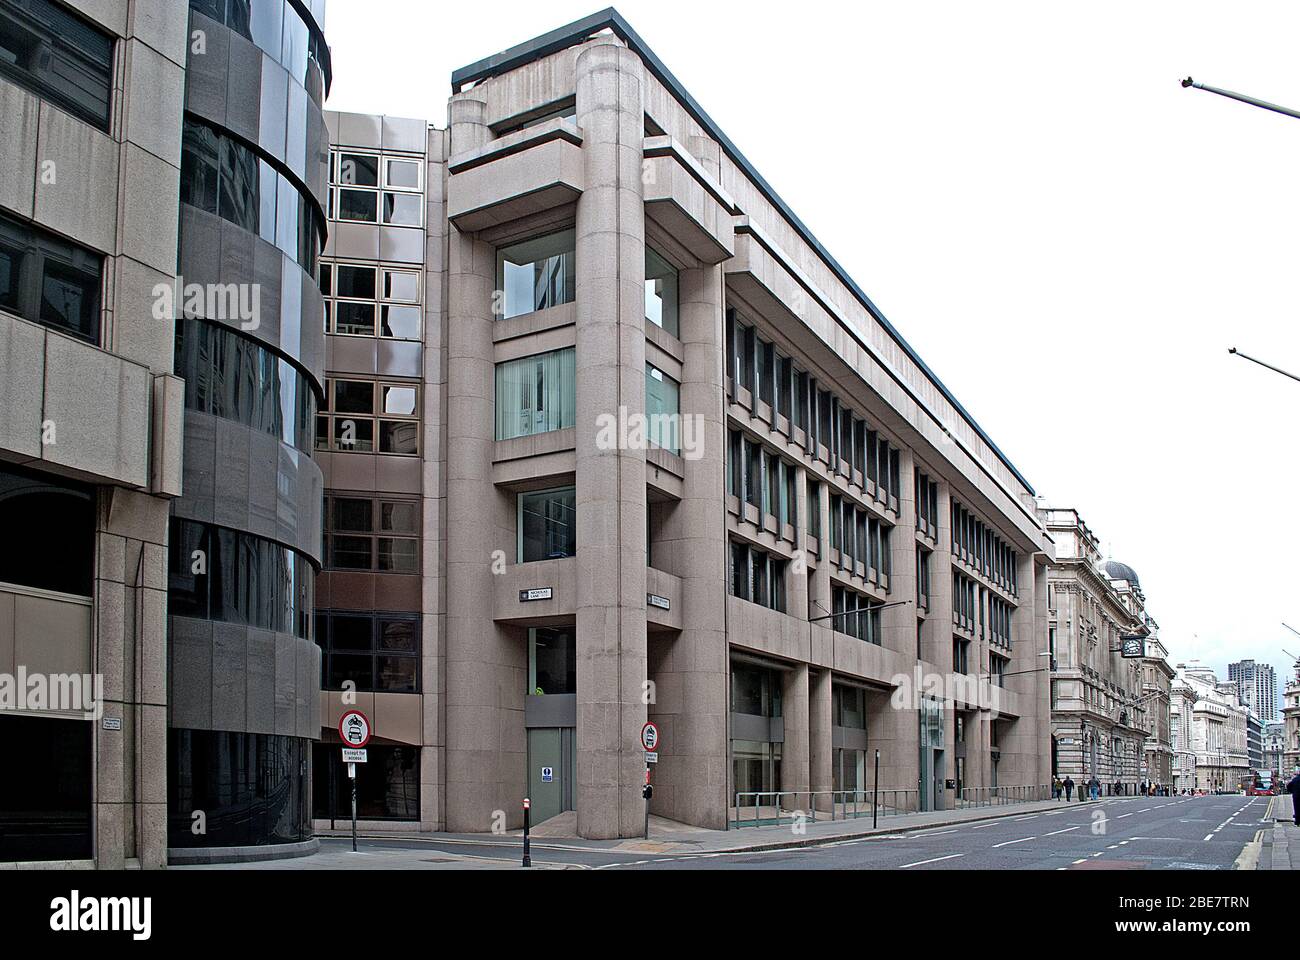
(485, 766)
(611, 494)
(691, 778)
(794, 710)
(820, 719)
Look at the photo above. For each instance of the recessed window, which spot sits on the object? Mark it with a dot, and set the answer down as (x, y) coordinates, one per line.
(552, 662)
(536, 275)
(379, 653)
(403, 209)
(661, 292)
(403, 173)
(59, 56)
(663, 409)
(536, 394)
(48, 280)
(548, 525)
(369, 417)
(366, 301)
(364, 533)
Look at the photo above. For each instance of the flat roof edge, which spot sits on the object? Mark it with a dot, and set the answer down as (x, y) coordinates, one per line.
(610, 19)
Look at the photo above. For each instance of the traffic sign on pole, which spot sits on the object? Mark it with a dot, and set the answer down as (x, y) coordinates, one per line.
(650, 738)
(355, 729)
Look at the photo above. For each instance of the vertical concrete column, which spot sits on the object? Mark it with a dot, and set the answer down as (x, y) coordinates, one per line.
(794, 712)
(611, 493)
(476, 783)
(899, 623)
(936, 639)
(820, 600)
(130, 655)
(796, 587)
(692, 772)
(433, 661)
(820, 721)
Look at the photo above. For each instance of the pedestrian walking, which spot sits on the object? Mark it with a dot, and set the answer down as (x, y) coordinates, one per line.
(1069, 788)
(1293, 788)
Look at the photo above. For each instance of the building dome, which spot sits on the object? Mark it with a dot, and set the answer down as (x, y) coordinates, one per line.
(1121, 571)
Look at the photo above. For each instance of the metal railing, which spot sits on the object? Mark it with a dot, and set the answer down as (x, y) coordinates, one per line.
(972, 797)
(770, 808)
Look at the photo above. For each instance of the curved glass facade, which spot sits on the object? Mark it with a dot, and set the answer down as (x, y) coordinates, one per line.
(279, 31)
(251, 789)
(237, 378)
(225, 176)
(234, 577)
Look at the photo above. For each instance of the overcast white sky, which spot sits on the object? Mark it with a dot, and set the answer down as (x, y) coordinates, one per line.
(1070, 239)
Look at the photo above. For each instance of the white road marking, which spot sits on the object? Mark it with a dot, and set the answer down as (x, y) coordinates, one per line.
(1010, 842)
(1066, 830)
(922, 863)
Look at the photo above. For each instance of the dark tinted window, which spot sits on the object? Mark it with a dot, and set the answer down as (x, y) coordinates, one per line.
(49, 525)
(236, 378)
(252, 789)
(230, 179)
(49, 280)
(380, 653)
(232, 577)
(58, 56)
(45, 806)
(388, 786)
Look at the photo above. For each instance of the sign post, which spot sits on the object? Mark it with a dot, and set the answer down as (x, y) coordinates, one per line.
(650, 744)
(354, 731)
(528, 806)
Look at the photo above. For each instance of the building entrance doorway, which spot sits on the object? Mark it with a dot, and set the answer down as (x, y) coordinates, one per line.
(550, 772)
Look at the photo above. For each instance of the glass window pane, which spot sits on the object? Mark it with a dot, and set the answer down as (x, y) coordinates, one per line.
(404, 173)
(398, 636)
(355, 283)
(662, 401)
(358, 170)
(399, 517)
(537, 274)
(398, 556)
(403, 209)
(351, 553)
(401, 323)
(359, 206)
(660, 292)
(547, 523)
(70, 300)
(354, 319)
(399, 437)
(354, 396)
(352, 515)
(354, 435)
(399, 401)
(403, 286)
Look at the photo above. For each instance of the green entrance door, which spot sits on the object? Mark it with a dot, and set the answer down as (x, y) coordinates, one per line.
(550, 772)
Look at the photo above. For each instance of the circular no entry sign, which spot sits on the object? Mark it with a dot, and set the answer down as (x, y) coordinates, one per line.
(650, 738)
(354, 729)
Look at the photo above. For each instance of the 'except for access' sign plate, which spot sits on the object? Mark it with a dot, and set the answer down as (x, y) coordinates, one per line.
(650, 738)
(354, 729)
(354, 756)
(652, 758)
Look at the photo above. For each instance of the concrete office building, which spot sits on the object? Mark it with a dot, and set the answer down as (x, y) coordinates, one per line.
(161, 359)
(576, 421)
(1274, 747)
(1182, 733)
(1291, 717)
(670, 465)
(1256, 686)
(1219, 735)
(1158, 748)
(1099, 710)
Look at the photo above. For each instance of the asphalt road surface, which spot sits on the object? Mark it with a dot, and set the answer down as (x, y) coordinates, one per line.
(1140, 833)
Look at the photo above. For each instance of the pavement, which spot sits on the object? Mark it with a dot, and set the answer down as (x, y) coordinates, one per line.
(1280, 849)
(1203, 833)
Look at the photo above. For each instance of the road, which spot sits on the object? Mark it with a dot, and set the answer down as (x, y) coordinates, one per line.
(1140, 833)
